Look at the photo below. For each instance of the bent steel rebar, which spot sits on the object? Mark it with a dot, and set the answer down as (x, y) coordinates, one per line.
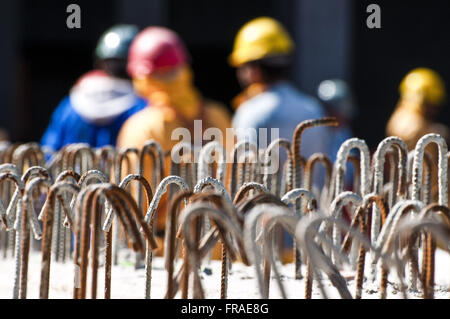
(26, 220)
(417, 175)
(88, 228)
(428, 257)
(206, 159)
(246, 188)
(271, 155)
(263, 213)
(360, 218)
(28, 153)
(54, 193)
(148, 252)
(242, 151)
(189, 214)
(299, 162)
(170, 240)
(378, 165)
(309, 173)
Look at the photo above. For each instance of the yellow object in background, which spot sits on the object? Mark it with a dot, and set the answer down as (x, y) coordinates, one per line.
(260, 38)
(424, 86)
(421, 91)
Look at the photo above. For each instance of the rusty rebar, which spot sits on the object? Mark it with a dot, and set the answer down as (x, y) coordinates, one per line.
(148, 253)
(47, 234)
(26, 220)
(360, 217)
(296, 143)
(387, 236)
(128, 215)
(417, 175)
(79, 155)
(268, 214)
(297, 164)
(154, 150)
(169, 245)
(105, 159)
(309, 172)
(123, 155)
(428, 257)
(190, 213)
(239, 155)
(30, 153)
(272, 154)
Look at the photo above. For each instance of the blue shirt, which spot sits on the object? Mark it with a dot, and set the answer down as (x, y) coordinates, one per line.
(283, 107)
(67, 127)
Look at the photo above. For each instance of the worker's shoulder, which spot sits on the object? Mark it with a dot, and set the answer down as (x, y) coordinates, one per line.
(264, 100)
(149, 123)
(139, 105)
(405, 124)
(403, 116)
(65, 114)
(257, 110)
(282, 100)
(144, 117)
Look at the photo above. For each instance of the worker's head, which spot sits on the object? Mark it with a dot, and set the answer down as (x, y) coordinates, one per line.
(158, 64)
(337, 98)
(111, 53)
(157, 55)
(262, 52)
(423, 91)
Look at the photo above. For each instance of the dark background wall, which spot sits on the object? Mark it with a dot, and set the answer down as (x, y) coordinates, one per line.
(41, 58)
(413, 34)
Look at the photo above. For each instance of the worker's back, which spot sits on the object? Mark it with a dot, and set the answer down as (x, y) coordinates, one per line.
(282, 107)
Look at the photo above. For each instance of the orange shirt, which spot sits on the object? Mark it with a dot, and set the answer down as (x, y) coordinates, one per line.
(157, 123)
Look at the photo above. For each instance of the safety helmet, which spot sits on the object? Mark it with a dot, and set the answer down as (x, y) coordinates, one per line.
(337, 95)
(116, 41)
(155, 49)
(260, 38)
(424, 84)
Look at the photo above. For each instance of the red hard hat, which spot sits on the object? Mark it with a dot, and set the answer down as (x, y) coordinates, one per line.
(155, 48)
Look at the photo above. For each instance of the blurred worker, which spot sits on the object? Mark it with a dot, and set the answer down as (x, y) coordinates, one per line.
(159, 66)
(101, 100)
(262, 54)
(337, 98)
(422, 92)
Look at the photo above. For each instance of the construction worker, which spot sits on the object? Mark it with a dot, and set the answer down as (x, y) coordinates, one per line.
(101, 100)
(262, 54)
(422, 93)
(159, 66)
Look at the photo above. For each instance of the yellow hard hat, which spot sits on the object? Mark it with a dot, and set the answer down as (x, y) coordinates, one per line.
(260, 38)
(424, 84)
